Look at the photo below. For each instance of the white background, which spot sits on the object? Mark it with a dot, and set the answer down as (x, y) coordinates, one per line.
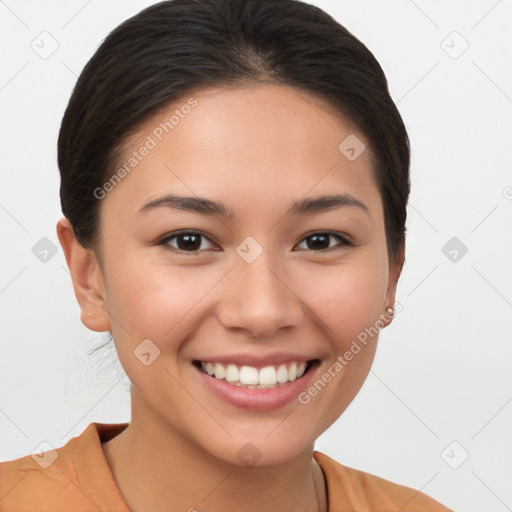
(443, 369)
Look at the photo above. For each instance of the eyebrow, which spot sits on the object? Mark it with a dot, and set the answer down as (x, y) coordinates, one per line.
(203, 206)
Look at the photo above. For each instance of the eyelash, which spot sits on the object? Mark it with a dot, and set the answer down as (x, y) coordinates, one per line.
(165, 241)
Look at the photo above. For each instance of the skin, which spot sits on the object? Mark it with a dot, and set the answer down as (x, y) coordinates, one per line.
(256, 149)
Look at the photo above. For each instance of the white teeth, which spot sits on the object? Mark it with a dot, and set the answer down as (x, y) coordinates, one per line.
(210, 369)
(232, 373)
(252, 378)
(292, 372)
(249, 375)
(268, 376)
(282, 374)
(220, 371)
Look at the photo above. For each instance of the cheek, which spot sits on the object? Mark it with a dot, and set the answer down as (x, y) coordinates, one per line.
(347, 301)
(346, 298)
(155, 301)
(161, 302)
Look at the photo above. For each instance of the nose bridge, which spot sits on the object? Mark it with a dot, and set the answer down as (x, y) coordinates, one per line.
(260, 283)
(258, 298)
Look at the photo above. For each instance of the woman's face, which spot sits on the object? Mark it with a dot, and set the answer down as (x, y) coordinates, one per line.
(259, 283)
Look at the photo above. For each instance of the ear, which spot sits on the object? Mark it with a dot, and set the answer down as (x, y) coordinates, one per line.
(87, 279)
(395, 269)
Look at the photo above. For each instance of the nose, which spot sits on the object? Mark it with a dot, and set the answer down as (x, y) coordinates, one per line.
(258, 299)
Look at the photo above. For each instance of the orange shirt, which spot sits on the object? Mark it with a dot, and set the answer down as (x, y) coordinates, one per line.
(77, 478)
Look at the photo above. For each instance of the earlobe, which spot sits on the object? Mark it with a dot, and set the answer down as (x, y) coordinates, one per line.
(395, 269)
(87, 279)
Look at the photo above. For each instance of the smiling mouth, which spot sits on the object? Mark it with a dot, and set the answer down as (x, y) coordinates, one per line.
(249, 377)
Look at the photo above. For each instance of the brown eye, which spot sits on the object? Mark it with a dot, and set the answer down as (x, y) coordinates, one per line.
(321, 241)
(188, 241)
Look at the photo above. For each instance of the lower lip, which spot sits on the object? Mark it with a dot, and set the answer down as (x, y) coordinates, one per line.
(257, 399)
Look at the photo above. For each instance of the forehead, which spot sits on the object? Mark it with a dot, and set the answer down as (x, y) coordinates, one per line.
(260, 143)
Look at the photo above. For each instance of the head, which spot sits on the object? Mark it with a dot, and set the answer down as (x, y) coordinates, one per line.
(263, 108)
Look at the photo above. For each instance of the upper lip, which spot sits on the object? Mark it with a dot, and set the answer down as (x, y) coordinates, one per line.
(255, 360)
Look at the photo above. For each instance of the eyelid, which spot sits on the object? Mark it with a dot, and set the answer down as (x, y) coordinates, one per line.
(345, 241)
(169, 236)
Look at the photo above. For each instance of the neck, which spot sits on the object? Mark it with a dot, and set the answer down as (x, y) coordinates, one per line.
(159, 469)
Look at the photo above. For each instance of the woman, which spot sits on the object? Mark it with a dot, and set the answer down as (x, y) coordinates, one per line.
(234, 180)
